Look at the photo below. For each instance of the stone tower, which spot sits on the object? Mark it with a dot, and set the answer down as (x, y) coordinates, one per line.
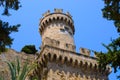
(57, 59)
(58, 27)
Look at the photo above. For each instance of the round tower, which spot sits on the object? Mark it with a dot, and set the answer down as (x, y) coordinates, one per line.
(57, 26)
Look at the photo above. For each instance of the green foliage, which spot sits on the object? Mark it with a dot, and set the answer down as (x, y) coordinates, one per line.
(19, 72)
(9, 4)
(34, 78)
(30, 49)
(5, 31)
(1, 78)
(111, 11)
(5, 28)
(112, 56)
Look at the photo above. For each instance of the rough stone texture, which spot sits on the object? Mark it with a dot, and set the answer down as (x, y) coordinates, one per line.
(80, 66)
(53, 32)
(57, 26)
(57, 59)
(11, 55)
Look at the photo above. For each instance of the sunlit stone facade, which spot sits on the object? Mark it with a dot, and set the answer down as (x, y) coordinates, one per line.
(58, 59)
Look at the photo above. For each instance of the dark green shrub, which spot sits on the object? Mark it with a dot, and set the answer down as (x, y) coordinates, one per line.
(29, 49)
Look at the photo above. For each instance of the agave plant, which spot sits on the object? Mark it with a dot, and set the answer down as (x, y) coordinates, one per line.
(18, 72)
(1, 78)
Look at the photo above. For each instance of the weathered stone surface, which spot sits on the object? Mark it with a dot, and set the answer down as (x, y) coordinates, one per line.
(58, 26)
(57, 59)
(11, 55)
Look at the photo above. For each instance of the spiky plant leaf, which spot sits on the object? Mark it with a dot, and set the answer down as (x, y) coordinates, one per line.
(12, 70)
(18, 66)
(23, 72)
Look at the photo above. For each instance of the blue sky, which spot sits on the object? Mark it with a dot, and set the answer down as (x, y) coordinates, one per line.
(91, 29)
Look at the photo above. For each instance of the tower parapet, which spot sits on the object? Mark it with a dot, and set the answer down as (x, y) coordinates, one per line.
(85, 51)
(58, 26)
(56, 15)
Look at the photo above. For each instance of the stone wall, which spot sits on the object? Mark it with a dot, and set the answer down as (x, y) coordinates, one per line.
(11, 55)
(57, 71)
(58, 59)
(61, 64)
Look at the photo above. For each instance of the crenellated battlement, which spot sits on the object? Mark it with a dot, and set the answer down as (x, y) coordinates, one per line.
(85, 51)
(72, 62)
(46, 13)
(56, 11)
(58, 59)
(69, 47)
(56, 43)
(56, 16)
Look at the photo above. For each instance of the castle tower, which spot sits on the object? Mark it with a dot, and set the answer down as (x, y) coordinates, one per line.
(57, 59)
(57, 26)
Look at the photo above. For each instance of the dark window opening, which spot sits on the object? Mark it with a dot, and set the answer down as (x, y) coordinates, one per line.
(62, 30)
(67, 46)
(70, 33)
(66, 28)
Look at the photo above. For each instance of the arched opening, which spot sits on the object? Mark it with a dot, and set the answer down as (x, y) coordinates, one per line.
(69, 22)
(71, 61)
(54, 57)
(61, 18)
(45, 57)
(50, 20)
(58, 18)
(65, 59)
(46, 21)
(43, 24)
(76, 62)
(53, 18)
(81, 63)
(90, 65)
(60, 58)
(49, 56)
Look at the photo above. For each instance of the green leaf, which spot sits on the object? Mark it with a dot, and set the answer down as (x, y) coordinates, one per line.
(18, 66)
(23, 72)
(12, 70)
(1, 78)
